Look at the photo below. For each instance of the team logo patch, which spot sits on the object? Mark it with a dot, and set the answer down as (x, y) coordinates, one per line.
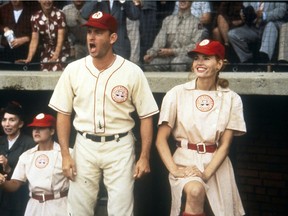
(119, 94)
(97, 15)
(204, 103)
(204, 42)
(42, 161)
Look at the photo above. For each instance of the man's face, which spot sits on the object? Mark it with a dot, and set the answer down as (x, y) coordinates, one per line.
(79, 3)
(184, 5)
(99, 42)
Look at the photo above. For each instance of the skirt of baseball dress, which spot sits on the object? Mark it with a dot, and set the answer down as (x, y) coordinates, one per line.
(221, 189)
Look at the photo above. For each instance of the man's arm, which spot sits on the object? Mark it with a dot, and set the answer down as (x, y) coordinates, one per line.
(146, 132)
(63, 132)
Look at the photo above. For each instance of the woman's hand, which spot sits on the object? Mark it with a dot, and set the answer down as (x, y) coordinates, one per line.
(54, 58)
(4, 163)
(178, 172)
(183, 172)
(2, 179)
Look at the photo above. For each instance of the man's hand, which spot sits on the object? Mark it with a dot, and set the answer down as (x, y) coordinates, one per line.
(165, 52)
(148, 58)
(68, 167)
(142, 168)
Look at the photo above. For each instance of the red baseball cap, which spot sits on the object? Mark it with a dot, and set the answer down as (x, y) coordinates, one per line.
(102, 21)
(209, 47)
(43, 120)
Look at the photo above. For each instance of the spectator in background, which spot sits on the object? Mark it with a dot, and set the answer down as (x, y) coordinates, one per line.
(178, 35)
(268, 19)
(164, 9)
(76, 34)
(41, 167)
(283, 43)
(142, 32)
(15, 16)
(227, 18)
(12, 145)
(48, 30)
(201, 10)
(120, 10)
(148, 26)
(133, 32)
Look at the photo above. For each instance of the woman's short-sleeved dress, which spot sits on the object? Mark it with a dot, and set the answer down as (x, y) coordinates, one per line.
(202, 116)
(43, 171)
(48, 27)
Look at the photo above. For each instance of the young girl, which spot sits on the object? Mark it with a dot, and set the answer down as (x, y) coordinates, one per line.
(41, 166)
(203, 115)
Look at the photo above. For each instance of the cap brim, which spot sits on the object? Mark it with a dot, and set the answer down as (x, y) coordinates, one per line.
(93, 25)
(38, 125)
(200, 51)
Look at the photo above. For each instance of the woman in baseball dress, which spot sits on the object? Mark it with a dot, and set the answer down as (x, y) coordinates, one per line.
(41, 166)
(202, 115)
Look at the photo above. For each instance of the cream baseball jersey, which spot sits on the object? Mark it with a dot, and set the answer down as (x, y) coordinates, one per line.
(103, 101)
(205, 117)
(43, 170)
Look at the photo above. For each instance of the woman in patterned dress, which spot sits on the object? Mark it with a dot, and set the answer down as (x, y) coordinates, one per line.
(48, 30)
(203, 115)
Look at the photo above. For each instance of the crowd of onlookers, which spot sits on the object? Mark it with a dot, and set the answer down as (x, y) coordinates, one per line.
(154, 34)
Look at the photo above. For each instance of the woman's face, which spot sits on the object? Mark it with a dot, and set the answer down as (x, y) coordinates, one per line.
(11, 125)
(42, 134)
(205, 66)
(46, 5)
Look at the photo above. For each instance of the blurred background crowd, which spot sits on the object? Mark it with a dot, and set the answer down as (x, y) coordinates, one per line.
(46, 35)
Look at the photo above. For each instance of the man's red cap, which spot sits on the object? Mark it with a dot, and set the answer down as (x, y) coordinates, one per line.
(209, 47)
(43, 120)
(102, 21)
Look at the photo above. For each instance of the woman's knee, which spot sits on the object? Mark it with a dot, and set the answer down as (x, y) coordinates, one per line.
(194, 190)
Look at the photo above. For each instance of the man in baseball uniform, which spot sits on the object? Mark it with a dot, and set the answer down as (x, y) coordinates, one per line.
(103, 89)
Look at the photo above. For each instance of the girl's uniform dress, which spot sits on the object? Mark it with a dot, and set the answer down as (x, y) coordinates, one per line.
(43, 171)
(48, 27)
(197, 116)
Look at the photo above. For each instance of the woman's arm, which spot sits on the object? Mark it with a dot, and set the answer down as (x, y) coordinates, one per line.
(162, 145)
(60, 41)
(11, 185)
(32, 47)
(219, 156)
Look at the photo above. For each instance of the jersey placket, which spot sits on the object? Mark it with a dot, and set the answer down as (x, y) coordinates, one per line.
(99, 104)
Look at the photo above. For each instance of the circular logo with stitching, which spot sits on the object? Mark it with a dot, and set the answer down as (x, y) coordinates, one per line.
(204, 103)
(42, 161)
(97, 15)
(119, 94)
(204, 42)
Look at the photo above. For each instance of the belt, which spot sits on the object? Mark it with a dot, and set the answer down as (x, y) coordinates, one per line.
(44, 197)
(201, 147)
(96, 138)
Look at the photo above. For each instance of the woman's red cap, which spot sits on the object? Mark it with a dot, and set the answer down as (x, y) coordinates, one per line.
(43, 120)
(209, 47)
